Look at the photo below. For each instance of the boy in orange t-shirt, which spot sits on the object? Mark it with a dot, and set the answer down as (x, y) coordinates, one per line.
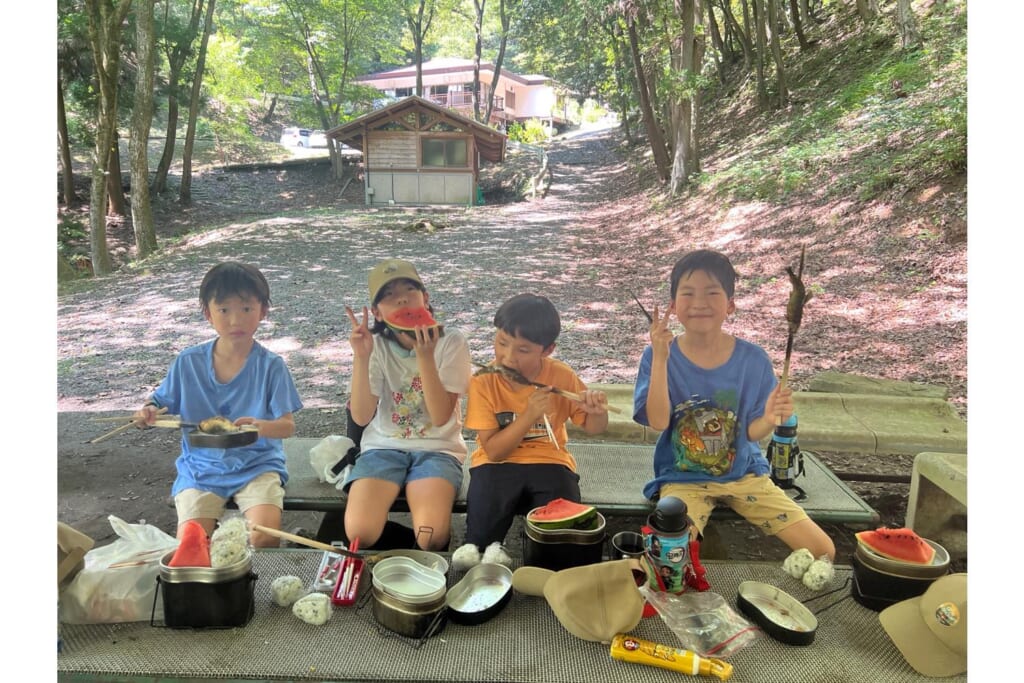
(521, 461)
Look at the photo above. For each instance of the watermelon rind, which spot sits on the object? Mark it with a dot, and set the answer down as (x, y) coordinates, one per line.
(563, 514)
(903, 545)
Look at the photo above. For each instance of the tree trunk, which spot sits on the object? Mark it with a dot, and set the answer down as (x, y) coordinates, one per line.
(776, 48)
(794, 12)
(910, 34)
(269, 116)
(185, 192)
(105, 22)
(621, 97)
(478, 48)
(67, 171)
(742, 36)
(655, 138)
(506, 21)
(115, 180)
(806, 14)
(760, 53)
(688, 58)
(722, 51)
(868, 10)
(142, 117)
(175, 61)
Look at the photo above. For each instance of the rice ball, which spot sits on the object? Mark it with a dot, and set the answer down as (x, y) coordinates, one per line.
(314, 609)
(233, 529)
(798, 562)
(287, 589)
(819, 574)
(226, 552)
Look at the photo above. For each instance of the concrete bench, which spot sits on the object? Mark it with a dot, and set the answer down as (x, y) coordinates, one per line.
(937, 508)
(612, 476)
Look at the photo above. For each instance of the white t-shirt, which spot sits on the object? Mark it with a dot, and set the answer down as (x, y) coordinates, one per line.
(401, 421)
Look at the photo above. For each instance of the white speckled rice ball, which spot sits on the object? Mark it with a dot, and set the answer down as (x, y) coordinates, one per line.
(226, 552)
(798, 562)
(287, 589)
(233, 529)
(819, 574)
(314, 608)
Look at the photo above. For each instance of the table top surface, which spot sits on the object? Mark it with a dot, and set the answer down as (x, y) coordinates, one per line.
(524, 642)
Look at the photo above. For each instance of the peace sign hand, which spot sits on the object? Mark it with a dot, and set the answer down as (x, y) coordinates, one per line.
(361, 338)
(661, 335)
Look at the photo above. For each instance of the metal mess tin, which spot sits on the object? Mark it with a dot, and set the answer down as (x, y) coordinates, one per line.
(243, 437)
(481, 594)
(408, 581)
(782, 616)
(206, 597)
(426, 558)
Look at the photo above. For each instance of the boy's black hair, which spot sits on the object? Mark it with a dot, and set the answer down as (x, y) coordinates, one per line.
(714, 263)
(529, 316)
(233, 279)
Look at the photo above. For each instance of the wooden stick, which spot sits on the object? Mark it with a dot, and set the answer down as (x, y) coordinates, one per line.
(302, 540)
(122, 428)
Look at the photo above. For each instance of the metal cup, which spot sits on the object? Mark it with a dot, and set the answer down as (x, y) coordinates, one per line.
(626, 544)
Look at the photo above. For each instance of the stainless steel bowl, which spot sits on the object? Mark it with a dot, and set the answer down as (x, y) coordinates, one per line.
(411, 620)
(480, 595)
(408, 581)
(583, 536)
(424, 557)
(204, 574)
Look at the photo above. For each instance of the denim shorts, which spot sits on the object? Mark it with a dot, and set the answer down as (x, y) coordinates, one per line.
(401, 467)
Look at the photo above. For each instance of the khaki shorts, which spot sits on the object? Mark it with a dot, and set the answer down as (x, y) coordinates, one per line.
(265, 489)
(756, 498)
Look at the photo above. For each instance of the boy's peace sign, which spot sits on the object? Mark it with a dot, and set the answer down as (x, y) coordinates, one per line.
(661, 336)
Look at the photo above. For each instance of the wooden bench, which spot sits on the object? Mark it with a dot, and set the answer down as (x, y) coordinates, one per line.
(612, 476)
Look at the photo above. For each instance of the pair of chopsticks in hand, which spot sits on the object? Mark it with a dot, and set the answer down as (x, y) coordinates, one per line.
(132, 422)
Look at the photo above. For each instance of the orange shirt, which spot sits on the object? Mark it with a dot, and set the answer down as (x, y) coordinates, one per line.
(494, 401)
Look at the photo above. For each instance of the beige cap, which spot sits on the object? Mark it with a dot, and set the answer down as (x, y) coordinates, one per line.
(386, 271)
(593, 602)
(931, 629)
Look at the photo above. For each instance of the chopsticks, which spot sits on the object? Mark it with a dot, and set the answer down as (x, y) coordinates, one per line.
(122, 428)
(171, 421)
(346, 579)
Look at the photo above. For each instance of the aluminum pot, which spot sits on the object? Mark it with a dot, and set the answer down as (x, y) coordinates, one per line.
(206, 597)
(407, 619)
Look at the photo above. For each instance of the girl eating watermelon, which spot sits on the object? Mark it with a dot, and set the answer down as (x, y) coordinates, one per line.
(408, 378)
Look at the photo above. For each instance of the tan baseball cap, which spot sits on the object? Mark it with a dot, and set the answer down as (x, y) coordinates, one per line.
(931, 629)
(593, 602)
(392, 269)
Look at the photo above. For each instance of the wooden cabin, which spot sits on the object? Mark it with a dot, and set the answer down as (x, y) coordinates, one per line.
(418, 152)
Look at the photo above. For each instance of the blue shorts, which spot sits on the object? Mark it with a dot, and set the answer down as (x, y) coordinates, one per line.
(401, 467)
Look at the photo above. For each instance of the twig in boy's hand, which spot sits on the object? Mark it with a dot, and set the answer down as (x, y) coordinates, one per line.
(649, 318)
(794, 311)
(518, 378)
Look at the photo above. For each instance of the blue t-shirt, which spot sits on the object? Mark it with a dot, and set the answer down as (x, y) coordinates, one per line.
(706, 439)
(263, 389)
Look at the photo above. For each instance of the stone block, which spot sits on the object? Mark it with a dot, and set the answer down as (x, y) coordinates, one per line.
(937, 508)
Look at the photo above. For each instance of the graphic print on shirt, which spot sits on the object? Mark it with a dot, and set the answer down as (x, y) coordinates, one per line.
(537, 431)
(409, 415)
(702, 437)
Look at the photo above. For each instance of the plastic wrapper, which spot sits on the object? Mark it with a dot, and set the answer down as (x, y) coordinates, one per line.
(703, 622)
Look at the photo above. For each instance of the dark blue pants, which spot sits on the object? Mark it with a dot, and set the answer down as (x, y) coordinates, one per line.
(498, 492)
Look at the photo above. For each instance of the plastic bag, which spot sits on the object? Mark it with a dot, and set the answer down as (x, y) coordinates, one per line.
(118, 581)
(332, 458)
(704, 622)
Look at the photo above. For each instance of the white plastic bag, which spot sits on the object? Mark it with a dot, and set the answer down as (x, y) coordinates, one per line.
(332, 459)
(102, 593)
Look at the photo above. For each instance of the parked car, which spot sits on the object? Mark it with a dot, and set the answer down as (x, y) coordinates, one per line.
(296, 137)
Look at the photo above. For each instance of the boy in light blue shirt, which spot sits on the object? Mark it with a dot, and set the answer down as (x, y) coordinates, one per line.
(232, 376)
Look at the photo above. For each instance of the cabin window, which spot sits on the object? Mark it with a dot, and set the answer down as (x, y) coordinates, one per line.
(403, 92)
(445, 153)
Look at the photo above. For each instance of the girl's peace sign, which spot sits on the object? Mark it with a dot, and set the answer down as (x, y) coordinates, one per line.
(361, 339)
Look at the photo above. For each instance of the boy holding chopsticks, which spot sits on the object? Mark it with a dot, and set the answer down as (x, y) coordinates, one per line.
(236, 377)
(521, 460)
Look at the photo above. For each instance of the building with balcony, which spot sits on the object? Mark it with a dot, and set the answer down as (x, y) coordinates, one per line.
(448, 82)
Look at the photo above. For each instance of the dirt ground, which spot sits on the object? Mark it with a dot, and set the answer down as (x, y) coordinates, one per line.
(592, 239)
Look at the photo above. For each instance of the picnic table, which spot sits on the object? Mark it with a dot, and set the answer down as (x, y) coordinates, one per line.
(612, 476)
(523, 643)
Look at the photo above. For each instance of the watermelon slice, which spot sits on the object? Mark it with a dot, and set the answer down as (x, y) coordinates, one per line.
(194, 548)
(897, 544)
(408, 319)
(563, 514)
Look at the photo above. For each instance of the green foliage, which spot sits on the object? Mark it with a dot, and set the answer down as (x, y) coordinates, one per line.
(878, 118)
(69, 231)
(533, 132)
